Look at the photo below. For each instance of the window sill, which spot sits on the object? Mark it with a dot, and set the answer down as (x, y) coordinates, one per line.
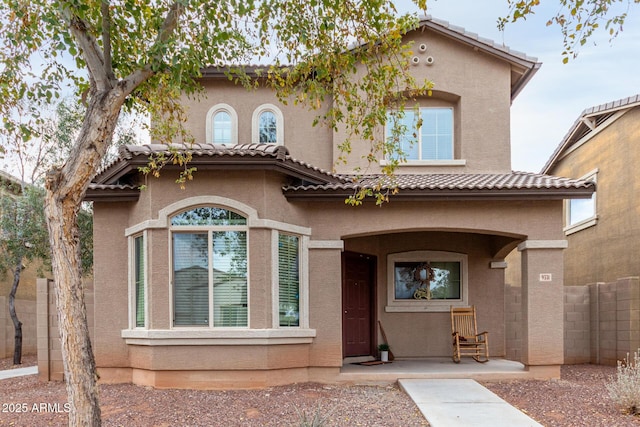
(187, 336)
(424, 306)
(579, 226)
(440, 163)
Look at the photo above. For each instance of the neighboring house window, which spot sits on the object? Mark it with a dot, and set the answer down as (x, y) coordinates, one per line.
(288, 280)
(581, 213)
(268, 125)
(426, 134)
(426, 280)
(210, 268)
(222, 125)
(139, 281)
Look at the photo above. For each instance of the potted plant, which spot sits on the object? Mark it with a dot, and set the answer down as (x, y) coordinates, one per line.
(384, 351)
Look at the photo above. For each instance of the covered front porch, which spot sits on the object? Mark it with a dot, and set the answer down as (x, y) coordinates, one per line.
(440, 367)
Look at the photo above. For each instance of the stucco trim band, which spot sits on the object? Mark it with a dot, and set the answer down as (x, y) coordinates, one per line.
(543, 244)
(326, 244)
(155, 337)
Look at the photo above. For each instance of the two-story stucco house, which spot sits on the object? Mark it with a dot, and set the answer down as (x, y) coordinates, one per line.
(258, 273)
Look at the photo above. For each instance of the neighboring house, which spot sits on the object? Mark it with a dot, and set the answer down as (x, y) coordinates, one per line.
(603, 146)
(290, 281)
(602, 299)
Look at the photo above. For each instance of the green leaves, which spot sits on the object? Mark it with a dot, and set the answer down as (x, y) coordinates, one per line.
(578, 19)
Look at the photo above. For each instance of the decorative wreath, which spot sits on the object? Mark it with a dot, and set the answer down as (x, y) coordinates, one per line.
(428, 273)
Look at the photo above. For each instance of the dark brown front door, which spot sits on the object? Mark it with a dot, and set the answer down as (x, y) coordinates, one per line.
(357, 304)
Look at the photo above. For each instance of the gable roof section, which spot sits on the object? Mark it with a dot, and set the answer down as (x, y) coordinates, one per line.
(118, 181)
(515, 185)
(590, 122)
(523, 67)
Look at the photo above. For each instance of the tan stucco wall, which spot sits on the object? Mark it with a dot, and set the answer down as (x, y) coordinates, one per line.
(607, 251)
(477, 86)
(302, 139)
(380, 231)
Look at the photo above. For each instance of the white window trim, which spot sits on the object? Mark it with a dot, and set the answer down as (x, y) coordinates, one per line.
(304, 282)
(433, 162)
(209, 229)
(222, 336)
(255, 123)
(132, 281)
(453, 162)
(587, 222)
(219, 336)
(234, 122)
(410, 306)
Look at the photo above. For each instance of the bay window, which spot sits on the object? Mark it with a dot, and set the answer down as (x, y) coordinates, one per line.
(210, 286)
(288, 280)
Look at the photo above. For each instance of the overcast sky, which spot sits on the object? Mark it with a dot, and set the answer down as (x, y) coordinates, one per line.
(544, 111)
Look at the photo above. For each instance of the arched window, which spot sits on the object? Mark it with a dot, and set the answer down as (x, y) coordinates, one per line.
(222, 125)
(209, 266)
(268, 128)
(268, 125)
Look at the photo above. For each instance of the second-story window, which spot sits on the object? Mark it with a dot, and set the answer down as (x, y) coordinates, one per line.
(267, 125)
(425, 134)
(268, 128)
(222, 125)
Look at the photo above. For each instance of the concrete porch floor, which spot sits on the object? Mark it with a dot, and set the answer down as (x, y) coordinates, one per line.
(438, 368)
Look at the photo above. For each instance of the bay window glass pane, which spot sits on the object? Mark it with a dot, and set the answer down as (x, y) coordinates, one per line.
(412, 283)
(222, 128)
(289, 280)
(139, 280)
(268, 128)
(208, 216)
(191, 279)
(230, 278)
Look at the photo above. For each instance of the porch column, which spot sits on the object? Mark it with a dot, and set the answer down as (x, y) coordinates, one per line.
(542, 306)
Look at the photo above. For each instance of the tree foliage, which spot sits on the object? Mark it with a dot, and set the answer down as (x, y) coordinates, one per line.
(141, 56)
(578, 20)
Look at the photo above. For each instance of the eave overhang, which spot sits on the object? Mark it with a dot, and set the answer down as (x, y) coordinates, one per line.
(506, 186)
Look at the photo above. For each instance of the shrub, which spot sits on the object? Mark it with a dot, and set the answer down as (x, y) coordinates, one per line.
(315, 420)
(625, 390)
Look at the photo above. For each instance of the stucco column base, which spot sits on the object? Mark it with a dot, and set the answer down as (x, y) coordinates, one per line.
(542, 302)
(543, 372)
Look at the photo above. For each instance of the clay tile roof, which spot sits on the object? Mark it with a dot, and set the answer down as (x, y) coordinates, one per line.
(462, 33)
(209, 155)
(515, 184)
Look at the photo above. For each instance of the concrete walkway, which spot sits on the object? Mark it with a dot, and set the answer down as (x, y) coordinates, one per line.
(18, 372)
(462, 402)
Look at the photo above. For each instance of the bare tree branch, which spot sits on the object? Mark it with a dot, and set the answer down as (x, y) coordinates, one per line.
(91, 52)
(106, 38)
(133, 80)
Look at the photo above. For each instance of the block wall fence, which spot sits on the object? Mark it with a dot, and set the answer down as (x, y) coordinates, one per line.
(601, 321)
(601, 324)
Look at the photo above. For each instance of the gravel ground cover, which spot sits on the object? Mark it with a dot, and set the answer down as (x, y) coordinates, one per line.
(579, 398)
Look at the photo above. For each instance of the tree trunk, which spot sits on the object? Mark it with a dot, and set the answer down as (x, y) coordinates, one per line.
(66, 188)
(17, 324)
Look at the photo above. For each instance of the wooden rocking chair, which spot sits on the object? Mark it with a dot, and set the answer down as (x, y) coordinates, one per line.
(466, 339)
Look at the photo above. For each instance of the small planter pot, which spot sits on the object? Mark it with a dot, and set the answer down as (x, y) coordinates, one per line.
(384, 356)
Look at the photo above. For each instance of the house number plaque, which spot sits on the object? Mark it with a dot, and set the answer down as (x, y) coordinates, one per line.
(545, 277)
